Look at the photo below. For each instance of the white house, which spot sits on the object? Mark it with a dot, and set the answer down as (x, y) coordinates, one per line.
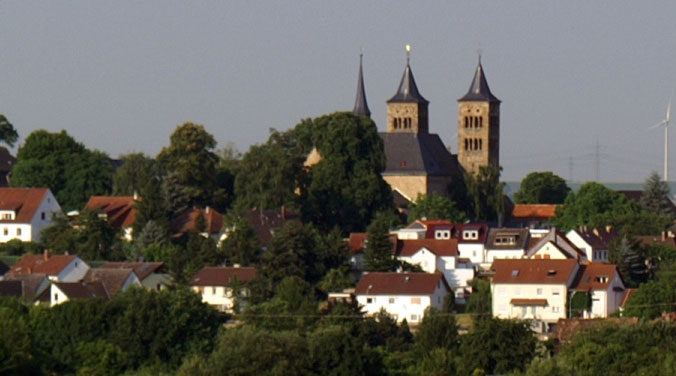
(119, 211)
(604, 283)
(215, 285)
(472, 241)
(25, 212)
(535, 289)
(555, 245)
(594, 242)
(437, 255)
(58, 268)
(402, 295)
(506, 243)
(61, 292)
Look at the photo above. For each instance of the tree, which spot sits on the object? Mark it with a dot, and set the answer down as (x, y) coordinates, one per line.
(627, 253)
(480, 300)
(655, 196)
(189, 165)
(485, 193)
(542, 188)
(72, 172)
(344, 188)
(378, 250)
(151, 207)
(594, 205)
(435, 206)
(241, 245)
(437, 330)
(136, 170)
(8, 134)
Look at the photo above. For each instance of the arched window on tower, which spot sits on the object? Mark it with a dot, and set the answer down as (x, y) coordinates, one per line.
(476, 144)
(481, 144)
(466, 144)
(481, 122)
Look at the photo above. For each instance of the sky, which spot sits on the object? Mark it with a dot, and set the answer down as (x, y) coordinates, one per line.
(581, 82)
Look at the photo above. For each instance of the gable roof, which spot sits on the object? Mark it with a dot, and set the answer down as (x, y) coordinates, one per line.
(32, 284)
(222, 276)
(561, 242)
(595, 276)
(81, 290)
(440, 247)
(596, 238)
(400, 283)
(266, 222)
(417, 154)
(520, 235)
(527, 271)
(23, 201)
(637, 195)
(120, 210)
(187, 220)
(42, 264)
(112, 279)
(11, 288)
(480, 227)
(142, 269)
(542, 212)
(664, 240)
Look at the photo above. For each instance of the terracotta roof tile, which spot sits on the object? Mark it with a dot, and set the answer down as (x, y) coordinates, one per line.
(142, 269)
(222, 276)
(533, 211)
(120, 210)
(112, 279)
(43, 264)
(594, 276)
(522, 271)
(399, 283)
(79, 290)
(24, 201)
(187, 220)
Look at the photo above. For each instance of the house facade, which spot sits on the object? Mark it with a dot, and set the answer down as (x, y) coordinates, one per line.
(25, 212)
(506, 243)
(401, 295)
(57, 268)
(215, 285)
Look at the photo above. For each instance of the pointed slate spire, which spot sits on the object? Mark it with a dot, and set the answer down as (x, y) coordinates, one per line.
(479, 90)
(408, 90)
(361, 108)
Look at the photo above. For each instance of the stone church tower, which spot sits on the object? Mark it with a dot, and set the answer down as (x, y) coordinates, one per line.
(478, 125)
(407, 109)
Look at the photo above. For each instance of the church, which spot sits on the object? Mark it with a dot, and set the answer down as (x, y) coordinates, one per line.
(417, 161)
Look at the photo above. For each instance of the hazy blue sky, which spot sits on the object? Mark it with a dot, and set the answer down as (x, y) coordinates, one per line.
(120, 75)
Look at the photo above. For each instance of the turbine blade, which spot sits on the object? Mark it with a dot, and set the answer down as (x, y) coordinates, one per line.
(661, 123)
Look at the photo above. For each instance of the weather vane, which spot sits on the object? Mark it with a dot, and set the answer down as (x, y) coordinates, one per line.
(408, 53)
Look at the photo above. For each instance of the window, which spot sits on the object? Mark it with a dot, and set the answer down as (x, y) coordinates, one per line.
(391, 300)
(414, 318)
(555, 309)
(539, 291)
(6, 216)
(369, 300)
(18, 232)
(56, 297)
(43, 216)
(415, 300)
(5, 231)
(555, 291)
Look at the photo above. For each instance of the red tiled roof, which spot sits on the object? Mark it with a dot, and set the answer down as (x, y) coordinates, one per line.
(665, 241)
(142, 269)
(186, 221)
(541, 211)
(24, 201)
(43, 264)
(597, 238)
(120, 210)
(357, 241)
(222, 276)
(440, 247)
(112, 279)
(80, 290)
(528, 302)
(542, 271)
(593, 275)
(399, 283)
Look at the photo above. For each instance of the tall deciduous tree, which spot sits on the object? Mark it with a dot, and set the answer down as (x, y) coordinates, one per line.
(55, 160)
(189, 164)
(594, 205)
(485, 193)
(542, 188)
(435, 206)
(136, 170)
(378, 250)
(8, 134)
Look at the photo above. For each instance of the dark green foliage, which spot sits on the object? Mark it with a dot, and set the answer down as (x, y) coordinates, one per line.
(437, 330)
(72, 172)
(643, 348)
(151, 207)
(189, 166)
(497, 346)
(16, 247)
(594, 205)
(435, 206)
(345, 188)
(485, 194)
(378, 250)
(334, 350)
(480, 300)
(656, 296)
(382, 331)
(16, 355)
(655, 196)
(136, 170)
(579, 302)
(628, 254)
(542, 188)
(8, 134)
(241, 246)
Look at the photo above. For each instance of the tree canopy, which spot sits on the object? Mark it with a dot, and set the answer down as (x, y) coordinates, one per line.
(542, 188)
(435, 206)
(485, 194)
(8, 134)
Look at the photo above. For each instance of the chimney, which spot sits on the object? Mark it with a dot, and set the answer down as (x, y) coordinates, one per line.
(206, 210)
(609, 229)
(46, 255)
(596, 232)
(135, 196)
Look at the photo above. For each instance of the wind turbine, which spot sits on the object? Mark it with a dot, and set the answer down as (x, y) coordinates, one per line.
(665, 122)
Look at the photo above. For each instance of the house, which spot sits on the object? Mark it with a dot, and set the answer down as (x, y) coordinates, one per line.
(119, 211)
(555, 245)
(506, 243)
(593, 242)
(61, 292)
(152, 275)
(58, 268)
(265, 223)
(25, 212)
(215, 285)
(439, 255)
(113, 280)
(472, 241)
(532, 215)
(402, 295)
(426, 229)
(357, 243)
(189, 220)
(604, 283)
(534, 289)
(31, 285)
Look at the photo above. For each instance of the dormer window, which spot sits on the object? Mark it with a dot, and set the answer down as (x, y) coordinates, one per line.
(442, 234)
(7, 215)
(470, 234)
(602, 279)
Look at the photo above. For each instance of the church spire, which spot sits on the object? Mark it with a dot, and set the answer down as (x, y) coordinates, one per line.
(479, 90)
(408, 90)
(361, 108)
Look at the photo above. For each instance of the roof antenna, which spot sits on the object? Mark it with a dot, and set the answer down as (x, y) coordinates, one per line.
(408, 53)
